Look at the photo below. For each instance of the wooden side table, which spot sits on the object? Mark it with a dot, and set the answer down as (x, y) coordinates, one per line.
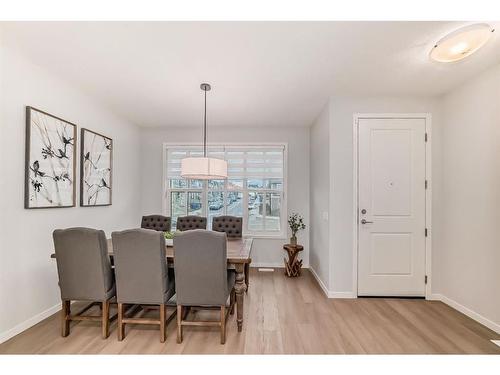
(293, 263)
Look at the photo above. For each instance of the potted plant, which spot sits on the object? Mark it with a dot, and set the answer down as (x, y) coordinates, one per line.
(169, 238)
(296, 223)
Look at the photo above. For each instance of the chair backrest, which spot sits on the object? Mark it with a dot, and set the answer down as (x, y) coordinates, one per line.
(200, 267)
(83, 264)
(156, 222)
(191, 222)
(231, 225)
(140, 266)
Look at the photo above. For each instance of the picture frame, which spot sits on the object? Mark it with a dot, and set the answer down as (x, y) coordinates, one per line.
(96, 169)
(50, 161)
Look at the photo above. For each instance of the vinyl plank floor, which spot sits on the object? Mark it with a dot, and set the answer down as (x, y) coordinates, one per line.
(283, 316)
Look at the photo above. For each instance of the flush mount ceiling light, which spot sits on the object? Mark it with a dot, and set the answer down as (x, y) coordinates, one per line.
(461, 43)
(204, 168)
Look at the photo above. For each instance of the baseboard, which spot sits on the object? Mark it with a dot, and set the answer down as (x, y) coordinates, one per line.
(266, 265)
(271, 265)
(320, 282)
(435, 297)
(466, 311)
(349, 295)
(4, 336)
(331, 293)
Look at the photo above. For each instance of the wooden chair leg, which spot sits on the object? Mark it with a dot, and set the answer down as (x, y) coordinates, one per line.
(179, 324)
(223, 324)
(232, 301)
(247, 274)
(105, 319)
(121, 326)
(163, 332)
(65, 313)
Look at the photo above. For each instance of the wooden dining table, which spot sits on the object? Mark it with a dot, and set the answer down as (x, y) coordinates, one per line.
(238, 256)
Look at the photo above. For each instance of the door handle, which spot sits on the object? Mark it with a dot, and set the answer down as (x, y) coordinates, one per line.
(363, 221)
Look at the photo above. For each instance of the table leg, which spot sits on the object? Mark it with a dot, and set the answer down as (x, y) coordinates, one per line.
(247, 275)
(240, 288)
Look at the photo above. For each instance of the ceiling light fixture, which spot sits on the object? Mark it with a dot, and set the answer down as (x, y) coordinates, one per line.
(204, 168)
(461, 43)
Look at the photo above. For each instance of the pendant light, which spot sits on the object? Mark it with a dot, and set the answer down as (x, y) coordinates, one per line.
(204, 168)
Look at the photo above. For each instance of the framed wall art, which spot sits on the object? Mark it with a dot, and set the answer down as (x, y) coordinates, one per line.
(50, 161)
(96, 166)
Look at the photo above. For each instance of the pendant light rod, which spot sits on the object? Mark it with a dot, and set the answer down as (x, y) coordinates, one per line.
(204, 168)
(205, 87)
(205, 128)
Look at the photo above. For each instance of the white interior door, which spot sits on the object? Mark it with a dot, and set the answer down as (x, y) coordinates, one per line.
(391, 207)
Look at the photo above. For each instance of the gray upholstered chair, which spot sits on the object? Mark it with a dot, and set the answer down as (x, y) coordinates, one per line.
(156, 222)
(85, 274)
(233, 227)
(142, 277)
(201, 276)
(191, 222)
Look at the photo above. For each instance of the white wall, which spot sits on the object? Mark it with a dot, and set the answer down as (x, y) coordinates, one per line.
(319, 255)
(341, 174)
(465, 185)
(468, 259)
(265, 251)
(28, 277)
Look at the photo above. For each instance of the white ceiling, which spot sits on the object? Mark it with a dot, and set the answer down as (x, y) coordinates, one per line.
(262, 73)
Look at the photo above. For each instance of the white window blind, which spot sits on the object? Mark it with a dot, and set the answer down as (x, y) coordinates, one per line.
(254, 189)
(243, 162)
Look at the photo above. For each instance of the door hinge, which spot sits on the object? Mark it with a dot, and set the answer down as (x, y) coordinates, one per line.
(426, 232)
(426, 137)
(426, 184)
(426, 279)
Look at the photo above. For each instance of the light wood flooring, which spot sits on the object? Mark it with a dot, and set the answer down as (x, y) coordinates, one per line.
(284, 316)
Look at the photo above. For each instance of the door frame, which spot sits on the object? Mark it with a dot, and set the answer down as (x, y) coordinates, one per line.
(428, 192)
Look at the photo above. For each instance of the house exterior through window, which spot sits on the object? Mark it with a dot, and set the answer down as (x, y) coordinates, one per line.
(255, 187)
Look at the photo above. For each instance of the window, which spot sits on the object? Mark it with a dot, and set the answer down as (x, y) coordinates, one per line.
(254, 189)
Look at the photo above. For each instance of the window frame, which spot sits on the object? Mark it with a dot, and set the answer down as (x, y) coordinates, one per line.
(166, 190)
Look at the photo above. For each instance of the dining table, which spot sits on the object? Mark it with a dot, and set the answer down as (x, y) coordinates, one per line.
(238, 256)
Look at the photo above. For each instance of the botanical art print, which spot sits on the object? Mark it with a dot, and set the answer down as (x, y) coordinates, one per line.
(50, 161)
(96, 168)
